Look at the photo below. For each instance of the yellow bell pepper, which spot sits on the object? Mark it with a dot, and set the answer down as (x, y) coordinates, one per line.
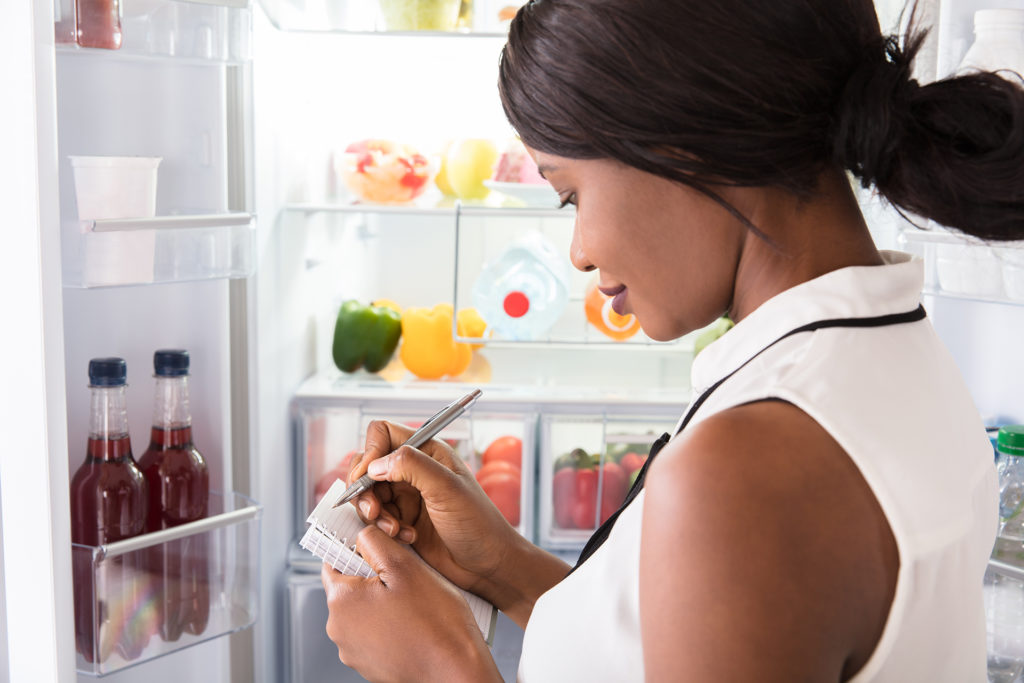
(470, 325)
(428, 348)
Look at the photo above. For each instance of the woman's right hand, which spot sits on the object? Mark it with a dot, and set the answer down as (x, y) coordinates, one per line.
(428, 497)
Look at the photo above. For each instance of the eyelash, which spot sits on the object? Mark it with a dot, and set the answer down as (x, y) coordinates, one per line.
(570, 199)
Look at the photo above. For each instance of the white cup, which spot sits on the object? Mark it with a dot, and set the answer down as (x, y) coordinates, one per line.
(115, 187)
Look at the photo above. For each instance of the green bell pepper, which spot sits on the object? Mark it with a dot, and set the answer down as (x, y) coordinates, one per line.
(365, 336)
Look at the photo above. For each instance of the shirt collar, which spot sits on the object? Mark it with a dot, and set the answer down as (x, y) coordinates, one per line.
(852, 292)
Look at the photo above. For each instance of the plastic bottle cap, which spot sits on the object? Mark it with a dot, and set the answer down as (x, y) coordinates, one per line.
(999, 18)
(108, 372)
(1011, 440)
(516, 304)
(170, 362)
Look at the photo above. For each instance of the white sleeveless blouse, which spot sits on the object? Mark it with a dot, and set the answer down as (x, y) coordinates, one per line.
(893, 398)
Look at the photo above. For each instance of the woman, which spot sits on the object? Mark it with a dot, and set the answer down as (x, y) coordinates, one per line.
(826, 509)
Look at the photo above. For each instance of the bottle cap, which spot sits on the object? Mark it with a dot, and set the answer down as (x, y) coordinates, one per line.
(108, 372)
(170, 362)
(1011, 440)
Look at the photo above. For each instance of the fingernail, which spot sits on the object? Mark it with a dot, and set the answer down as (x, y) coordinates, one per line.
(364, 507)
(406, 535)
(384, 525)
(378, 466)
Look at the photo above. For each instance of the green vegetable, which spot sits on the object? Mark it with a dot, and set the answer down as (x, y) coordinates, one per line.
(711, 333)
(577, 459)
(365, 336)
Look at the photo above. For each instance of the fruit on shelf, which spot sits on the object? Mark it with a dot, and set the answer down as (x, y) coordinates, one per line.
(469, 162)
(420, 15)
(365, 336)
(600, 314)
(515, 165)
(429, 349)
(500, 475)
(384, 172)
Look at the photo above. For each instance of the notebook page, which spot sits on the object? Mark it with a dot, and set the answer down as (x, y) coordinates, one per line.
(332, 537)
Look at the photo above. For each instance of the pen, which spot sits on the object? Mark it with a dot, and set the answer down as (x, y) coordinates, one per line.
(426, 432)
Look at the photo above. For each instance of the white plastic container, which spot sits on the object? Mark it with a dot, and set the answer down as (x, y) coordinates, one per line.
(115, 187)
(110, 188)
(998, 43)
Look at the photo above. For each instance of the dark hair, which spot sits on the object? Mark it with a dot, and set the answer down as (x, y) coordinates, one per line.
(765, 93)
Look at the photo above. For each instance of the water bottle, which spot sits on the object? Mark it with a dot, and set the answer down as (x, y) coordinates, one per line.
(1010, 542)
(523, 292)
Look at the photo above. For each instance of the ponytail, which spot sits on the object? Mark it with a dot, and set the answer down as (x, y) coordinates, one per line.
(951, 151)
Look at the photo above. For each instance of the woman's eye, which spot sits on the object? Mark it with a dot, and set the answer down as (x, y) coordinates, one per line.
(568, 199)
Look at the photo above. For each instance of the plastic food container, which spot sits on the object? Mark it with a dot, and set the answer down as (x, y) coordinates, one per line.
(115, 187)
(420, 15)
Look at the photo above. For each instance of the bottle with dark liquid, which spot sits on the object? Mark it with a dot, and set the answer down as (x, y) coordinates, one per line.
(108, 503)
(179, 486)
(98, 23)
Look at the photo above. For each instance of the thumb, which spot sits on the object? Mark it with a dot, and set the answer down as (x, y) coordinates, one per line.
(384, 554)
(414, 467)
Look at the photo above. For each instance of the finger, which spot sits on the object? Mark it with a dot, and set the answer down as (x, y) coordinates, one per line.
(382, 437)
(414, 467)
(384, 554)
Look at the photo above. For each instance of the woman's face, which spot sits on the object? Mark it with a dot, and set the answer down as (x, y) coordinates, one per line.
(667, 253)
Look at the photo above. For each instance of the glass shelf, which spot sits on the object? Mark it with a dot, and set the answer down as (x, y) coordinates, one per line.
(343, 16)
(964, 267)
(187, 31)
(161, 249)
(432, 208)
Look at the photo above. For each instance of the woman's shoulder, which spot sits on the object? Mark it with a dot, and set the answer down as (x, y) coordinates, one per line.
(756, 514)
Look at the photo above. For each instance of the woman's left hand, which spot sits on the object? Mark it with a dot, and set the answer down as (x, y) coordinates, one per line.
(405, 624)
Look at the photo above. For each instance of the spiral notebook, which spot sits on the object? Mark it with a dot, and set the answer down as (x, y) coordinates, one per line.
(331, 536)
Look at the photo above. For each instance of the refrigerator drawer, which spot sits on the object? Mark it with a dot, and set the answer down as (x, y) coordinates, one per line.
(313, 658)
(326, 436)
(150, 595)
(586, 466)
(964, 267)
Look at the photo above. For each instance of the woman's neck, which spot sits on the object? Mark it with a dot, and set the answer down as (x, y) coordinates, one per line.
(811, 236)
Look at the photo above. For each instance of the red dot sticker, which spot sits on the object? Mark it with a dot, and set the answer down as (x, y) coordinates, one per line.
(516, 304)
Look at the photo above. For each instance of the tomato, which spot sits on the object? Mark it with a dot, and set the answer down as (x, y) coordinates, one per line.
(339, 471)
(502, 488)
(497, 466)
(631, 462)
(505, 448)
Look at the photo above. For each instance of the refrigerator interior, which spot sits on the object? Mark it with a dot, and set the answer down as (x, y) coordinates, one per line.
(249, 119)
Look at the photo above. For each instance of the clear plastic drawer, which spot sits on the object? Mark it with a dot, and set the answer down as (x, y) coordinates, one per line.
(587, 464)
(154, 594)
(328, 436)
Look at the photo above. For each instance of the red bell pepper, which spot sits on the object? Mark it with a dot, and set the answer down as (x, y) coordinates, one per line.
(613, 489)
(584, 507)
(563, 492)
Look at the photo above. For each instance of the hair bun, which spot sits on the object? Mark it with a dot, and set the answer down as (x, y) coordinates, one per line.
(873, 114)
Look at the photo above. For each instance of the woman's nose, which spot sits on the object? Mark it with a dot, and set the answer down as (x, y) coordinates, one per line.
(576, 255)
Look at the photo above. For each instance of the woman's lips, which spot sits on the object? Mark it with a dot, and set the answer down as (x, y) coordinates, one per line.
(611, 291)
(618, 295)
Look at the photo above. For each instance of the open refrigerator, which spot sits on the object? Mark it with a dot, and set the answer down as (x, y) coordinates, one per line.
(255, 243)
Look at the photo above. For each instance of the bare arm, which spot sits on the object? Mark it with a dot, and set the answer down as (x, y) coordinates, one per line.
(764, 555)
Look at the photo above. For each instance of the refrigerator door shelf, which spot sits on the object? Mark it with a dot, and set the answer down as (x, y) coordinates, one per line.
(959, 266)
(162, 249)
(217, 31)
(151, 595)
